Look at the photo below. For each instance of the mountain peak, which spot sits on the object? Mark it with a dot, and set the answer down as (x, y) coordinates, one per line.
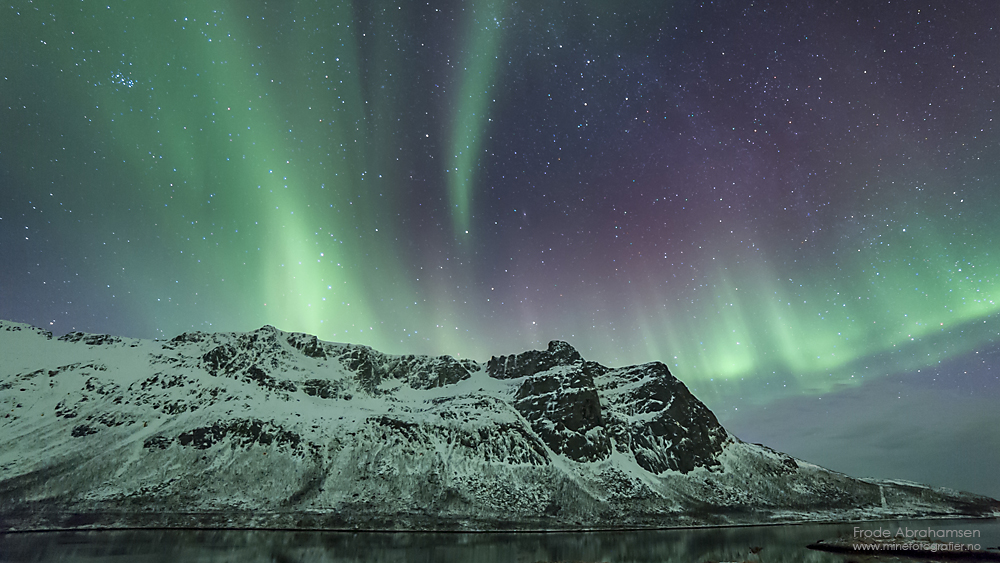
(564, 352)
(11, 326)
(280, 429)
(528, 363)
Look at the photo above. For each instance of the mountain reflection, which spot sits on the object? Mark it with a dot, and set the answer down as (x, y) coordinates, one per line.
(763, 543)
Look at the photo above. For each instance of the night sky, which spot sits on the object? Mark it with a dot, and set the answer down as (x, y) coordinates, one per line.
(797, 208)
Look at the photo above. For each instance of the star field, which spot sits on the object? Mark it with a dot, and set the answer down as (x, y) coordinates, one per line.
(781, 202)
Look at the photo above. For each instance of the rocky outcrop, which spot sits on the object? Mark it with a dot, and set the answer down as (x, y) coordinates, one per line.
(564, 409)
(283, 430)
(531, 362)
(660, 422)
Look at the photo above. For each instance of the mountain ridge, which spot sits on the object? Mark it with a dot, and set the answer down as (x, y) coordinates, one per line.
(282, 430)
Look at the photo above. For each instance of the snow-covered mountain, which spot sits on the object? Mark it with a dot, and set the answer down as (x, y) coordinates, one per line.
(281, 430)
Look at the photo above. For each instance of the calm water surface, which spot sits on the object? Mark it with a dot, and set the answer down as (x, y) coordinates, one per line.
(775, 543)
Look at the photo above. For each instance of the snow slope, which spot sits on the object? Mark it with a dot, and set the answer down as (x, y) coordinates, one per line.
(276, 429)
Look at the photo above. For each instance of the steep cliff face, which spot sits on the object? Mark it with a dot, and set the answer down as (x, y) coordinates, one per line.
(277, 429)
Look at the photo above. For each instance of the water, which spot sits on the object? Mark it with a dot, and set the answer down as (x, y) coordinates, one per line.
(776, 543)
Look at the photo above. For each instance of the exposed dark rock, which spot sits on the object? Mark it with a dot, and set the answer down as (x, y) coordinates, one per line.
(204, 437)
(262, 342)
(258, 375)
(91, 339)
(564, 409)
(83, 430)
(424, 373)
(159, 442)
(661, 422)
(594, 369)
(243, 433)
(559, 353)
(219, 358)
(323, 388)
(14, 327)
(64, 410)
(112, 420)
(359, 359)
(308, 345)
(189, 337)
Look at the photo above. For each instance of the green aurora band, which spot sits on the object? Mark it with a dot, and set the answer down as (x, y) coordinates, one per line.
(472, 108)
(252, 178)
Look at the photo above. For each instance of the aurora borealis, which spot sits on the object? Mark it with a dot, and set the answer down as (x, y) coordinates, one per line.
(786, 204)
